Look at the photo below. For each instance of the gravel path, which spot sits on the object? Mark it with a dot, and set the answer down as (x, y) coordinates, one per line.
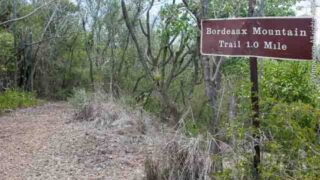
(43, 143)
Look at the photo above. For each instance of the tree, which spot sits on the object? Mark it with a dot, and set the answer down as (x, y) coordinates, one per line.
(163, 63)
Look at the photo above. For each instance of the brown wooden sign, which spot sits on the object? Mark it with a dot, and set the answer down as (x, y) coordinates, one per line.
(281, 38)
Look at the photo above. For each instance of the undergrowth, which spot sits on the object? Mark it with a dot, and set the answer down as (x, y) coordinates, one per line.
(80, 98)
(180, 158)
(12, 99)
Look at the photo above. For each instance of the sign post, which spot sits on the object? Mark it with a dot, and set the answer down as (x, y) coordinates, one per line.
(275, 38)
(255, 103)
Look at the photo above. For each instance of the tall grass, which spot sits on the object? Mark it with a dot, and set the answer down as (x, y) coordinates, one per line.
(181, 158)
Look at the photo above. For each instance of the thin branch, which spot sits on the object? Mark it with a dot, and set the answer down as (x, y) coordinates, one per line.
(30, 14)
(137, 83)
(173, 39)
(217, 70)
(148, 30)
(142, 29)
(183, 68)
(170, 57)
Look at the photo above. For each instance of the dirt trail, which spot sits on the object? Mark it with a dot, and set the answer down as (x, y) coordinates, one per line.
(41, 143)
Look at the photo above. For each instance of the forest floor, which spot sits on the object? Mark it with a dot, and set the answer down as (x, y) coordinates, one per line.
(44, 142)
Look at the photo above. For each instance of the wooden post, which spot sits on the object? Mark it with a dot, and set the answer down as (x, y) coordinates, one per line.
(255, 103)
(255, 112)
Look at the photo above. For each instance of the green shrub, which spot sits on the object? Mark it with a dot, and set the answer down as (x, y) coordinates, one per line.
(80, 98)
(6, 41)
(292, 143)
(13, 99)
(288, 82)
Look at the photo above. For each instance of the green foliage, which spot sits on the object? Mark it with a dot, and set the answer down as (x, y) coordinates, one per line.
(289, 117)
(229, 8)
(292, 144)
(12, 99)
(6, 49)
(239, 8)
(177, 20)
(200, 109)
(288, 82)
(67, 7)
(279, 7)
(80, 98)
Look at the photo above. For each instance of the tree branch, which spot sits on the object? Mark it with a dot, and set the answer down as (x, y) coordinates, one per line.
(217, 70)
(142, 29)
(134, 38)
(30, 14)
(148, 31)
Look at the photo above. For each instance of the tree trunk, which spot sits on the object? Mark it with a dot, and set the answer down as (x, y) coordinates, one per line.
(29, 76)
(169, 112)
(232, 115)
(212, 86)
(15, 84)
(210, 91)
(111, 87)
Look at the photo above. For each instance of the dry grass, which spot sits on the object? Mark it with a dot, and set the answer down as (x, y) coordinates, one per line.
(173, 156)
(105, 113)
(180, 158)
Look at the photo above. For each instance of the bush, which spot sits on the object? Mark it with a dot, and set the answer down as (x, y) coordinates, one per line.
(180, 159)
(288, 82)
(80, 98)
(13, 99)
(291, 142)
(103, 112)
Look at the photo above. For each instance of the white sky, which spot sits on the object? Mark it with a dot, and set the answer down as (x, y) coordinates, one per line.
(305, 10)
